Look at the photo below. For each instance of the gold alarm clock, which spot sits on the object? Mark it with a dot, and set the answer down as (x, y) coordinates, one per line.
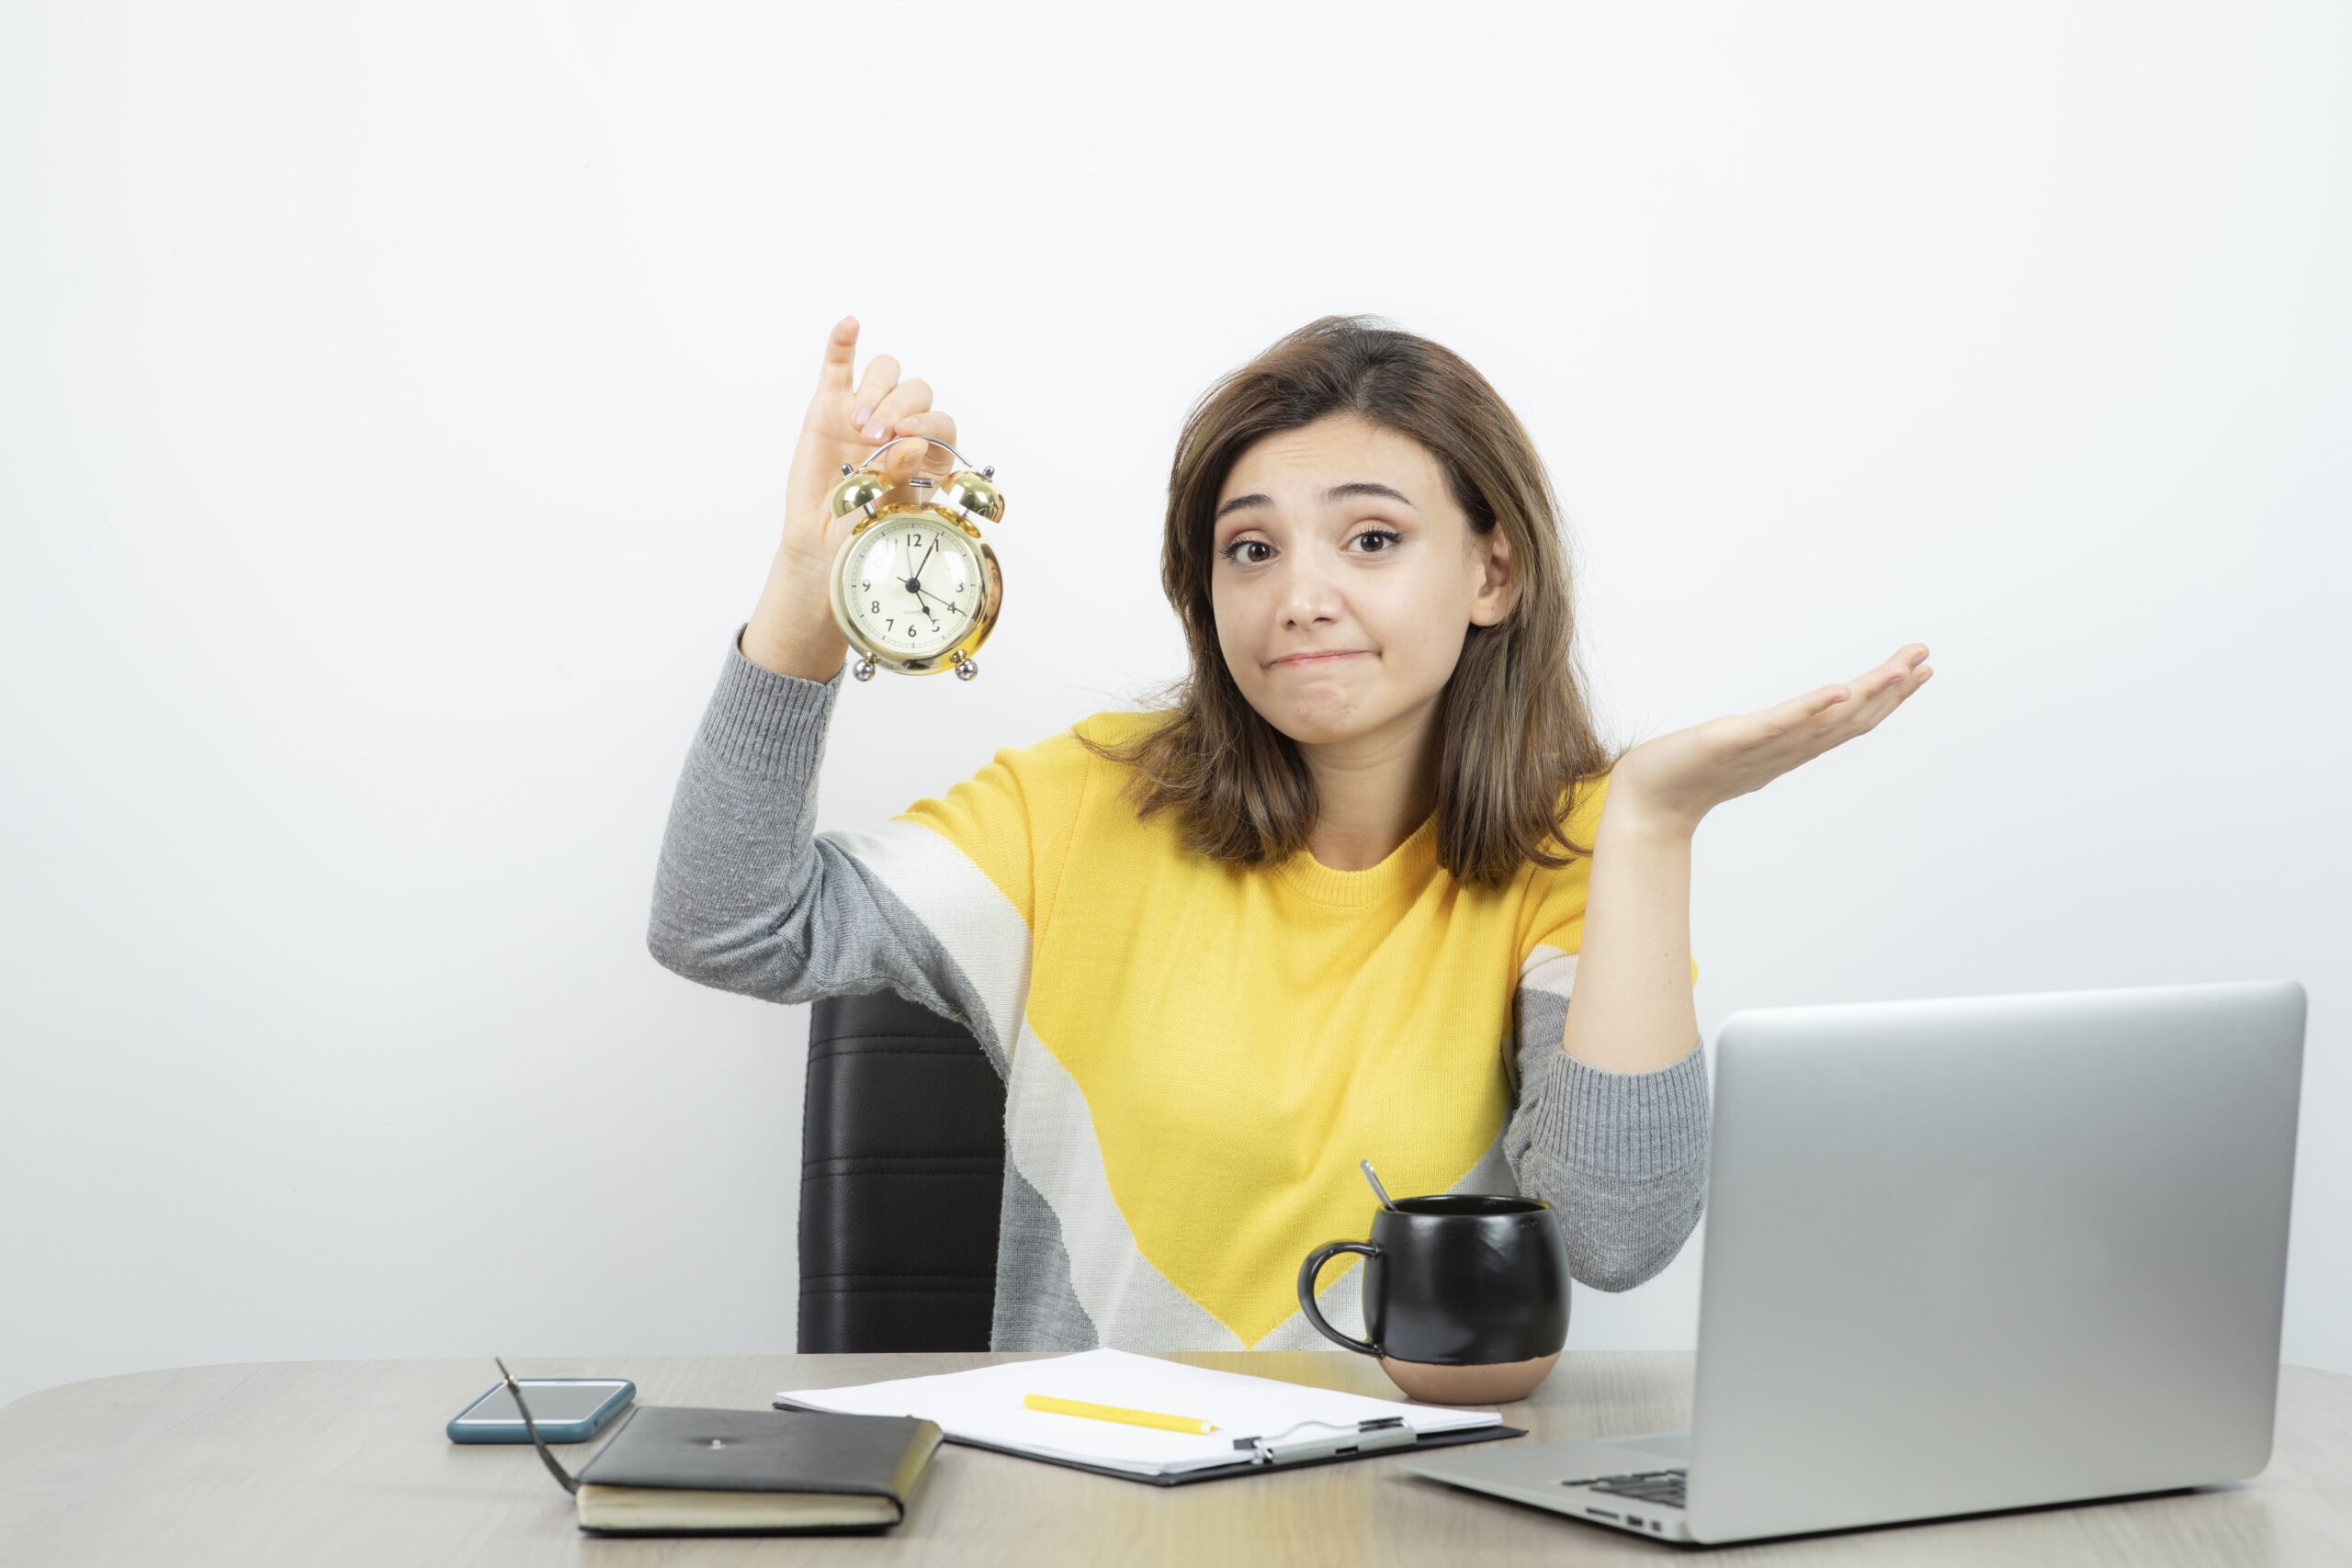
(915, 587)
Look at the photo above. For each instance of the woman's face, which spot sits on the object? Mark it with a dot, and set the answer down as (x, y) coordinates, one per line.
(1396, 580)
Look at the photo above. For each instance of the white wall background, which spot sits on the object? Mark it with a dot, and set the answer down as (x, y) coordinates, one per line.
(397, 403)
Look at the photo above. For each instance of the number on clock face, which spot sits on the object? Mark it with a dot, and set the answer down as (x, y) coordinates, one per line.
(915, 586)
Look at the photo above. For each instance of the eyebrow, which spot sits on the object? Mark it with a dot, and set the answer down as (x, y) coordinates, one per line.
(1337, 492)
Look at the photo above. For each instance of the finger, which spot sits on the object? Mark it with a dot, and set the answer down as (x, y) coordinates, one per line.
(1912, 669)
(940, 426)
(909, 397)
(1892, 677)
(881, 375)
(1875, 697)
(911, 456)
(1896, 672)
(904, 461)
(840, 356)
(1817, 701)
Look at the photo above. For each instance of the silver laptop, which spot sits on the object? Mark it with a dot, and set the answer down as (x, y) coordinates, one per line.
(1965, 1255)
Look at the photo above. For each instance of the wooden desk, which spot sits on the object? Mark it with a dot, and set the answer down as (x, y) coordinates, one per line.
(346, 1462)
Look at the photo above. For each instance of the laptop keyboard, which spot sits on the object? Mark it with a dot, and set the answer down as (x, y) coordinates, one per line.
(1661, 1487)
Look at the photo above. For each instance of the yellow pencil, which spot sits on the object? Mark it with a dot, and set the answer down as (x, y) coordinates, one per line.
(1116, 1413)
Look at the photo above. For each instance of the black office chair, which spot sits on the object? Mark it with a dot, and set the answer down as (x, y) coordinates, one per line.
(901, 1178)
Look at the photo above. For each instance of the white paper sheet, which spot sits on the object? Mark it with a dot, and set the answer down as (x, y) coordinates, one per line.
(984, 1405)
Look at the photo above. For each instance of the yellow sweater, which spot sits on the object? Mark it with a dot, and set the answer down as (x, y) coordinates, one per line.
(1195, 1056)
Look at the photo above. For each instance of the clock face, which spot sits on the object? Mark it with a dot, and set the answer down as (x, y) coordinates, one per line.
(914, 585)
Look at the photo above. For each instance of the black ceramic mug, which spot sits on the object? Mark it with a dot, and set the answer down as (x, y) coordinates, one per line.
(1465, 1295)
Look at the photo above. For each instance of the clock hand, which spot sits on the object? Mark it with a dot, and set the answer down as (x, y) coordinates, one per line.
(914, 585)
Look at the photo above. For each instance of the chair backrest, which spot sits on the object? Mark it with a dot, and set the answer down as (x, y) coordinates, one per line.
(901, 1176)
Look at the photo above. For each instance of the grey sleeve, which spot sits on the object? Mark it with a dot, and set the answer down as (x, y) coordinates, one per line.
(1622, 1157)
(746, 898)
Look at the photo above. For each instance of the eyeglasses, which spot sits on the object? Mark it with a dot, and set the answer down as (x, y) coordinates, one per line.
(531, 1426)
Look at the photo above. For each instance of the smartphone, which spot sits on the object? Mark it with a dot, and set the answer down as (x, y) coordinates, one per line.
(565, 1410)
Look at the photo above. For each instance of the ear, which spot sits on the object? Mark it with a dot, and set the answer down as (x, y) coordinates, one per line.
(1498, 587)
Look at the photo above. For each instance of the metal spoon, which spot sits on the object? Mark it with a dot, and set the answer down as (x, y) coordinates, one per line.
(1378, 1191)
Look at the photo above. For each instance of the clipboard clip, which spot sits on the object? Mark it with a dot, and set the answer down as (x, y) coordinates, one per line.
(1363, 1437)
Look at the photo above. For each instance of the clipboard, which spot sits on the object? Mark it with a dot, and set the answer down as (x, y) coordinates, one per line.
(1260, 1424)
(1335, 1449)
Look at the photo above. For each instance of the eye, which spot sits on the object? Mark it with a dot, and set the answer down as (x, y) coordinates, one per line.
(1390, 539)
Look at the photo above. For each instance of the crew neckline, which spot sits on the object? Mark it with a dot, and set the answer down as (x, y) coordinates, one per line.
(1404, 868)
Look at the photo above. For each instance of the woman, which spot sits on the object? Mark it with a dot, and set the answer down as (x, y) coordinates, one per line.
(1307, 913)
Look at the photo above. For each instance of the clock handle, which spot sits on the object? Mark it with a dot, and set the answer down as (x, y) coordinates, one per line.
(848, 469)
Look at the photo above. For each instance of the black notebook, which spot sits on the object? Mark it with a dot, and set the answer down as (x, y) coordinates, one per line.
(673, 1470)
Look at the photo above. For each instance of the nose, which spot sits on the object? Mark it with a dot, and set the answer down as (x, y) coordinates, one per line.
(1308, 595)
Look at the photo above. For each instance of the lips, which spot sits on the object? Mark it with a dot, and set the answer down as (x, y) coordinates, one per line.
(1312, 660)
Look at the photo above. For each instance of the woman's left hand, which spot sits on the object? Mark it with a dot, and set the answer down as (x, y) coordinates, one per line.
(1679, 778)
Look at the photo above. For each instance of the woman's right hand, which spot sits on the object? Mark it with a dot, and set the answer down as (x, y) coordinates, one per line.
(846, 420)
(792, 629)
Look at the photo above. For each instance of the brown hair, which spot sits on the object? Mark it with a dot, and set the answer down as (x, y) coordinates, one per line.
(1513, 730)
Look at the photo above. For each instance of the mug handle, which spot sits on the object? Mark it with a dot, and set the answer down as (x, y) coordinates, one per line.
(1306, 1274)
